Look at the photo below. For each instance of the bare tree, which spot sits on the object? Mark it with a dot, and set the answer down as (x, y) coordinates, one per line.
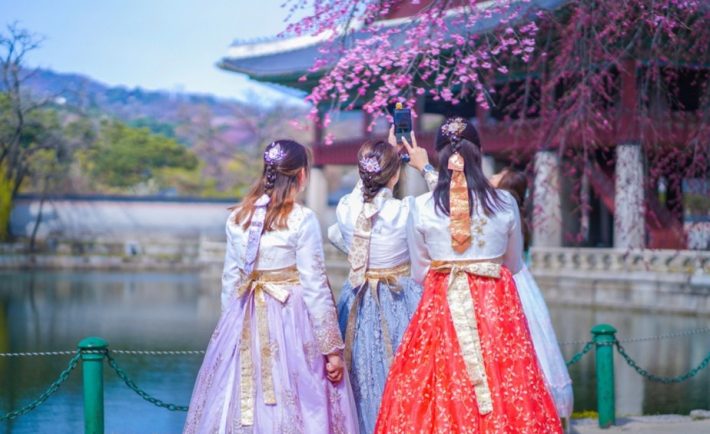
(15, 44)
(28, 132)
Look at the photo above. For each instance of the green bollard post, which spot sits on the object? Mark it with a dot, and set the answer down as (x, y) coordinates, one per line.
(92, 364)
(604, 336)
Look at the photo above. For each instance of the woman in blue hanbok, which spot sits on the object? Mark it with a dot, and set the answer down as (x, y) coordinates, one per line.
(379, 296)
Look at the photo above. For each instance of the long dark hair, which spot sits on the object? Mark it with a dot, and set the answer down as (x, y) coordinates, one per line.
(468, 145)
(279, 180)
(388, 161)
(516, 183)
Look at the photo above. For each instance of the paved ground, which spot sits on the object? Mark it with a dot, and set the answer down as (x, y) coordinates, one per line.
(645, 424)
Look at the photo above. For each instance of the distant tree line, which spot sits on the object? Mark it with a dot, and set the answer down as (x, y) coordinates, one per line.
(50, 147)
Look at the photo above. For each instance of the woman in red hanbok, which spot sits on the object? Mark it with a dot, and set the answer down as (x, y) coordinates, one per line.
(466, 363)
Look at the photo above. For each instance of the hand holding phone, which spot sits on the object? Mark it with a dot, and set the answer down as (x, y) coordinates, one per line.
(418, 157)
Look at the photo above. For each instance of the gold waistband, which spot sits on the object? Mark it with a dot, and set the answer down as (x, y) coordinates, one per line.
(486, 268)
(386, 273)
(287, 275)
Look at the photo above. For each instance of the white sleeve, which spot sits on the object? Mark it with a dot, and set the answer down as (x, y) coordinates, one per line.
(336, 238)
(316, 289)
(335, 232)
(231, 273)
(513, 258)
(431, 177)
(418, 253)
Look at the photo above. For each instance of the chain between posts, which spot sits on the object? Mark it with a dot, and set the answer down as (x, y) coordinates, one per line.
(143, 394)
(683, 333)
(658, 379)
(73, 362)
(47, 393)
(577, 357)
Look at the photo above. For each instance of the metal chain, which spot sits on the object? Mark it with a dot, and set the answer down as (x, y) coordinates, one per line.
(42, 353)
(577, 357)
(159, 353)
(650, 338)
(131, 352)
(665, 380)
(143, 394)
(668, 335)
(47, 393)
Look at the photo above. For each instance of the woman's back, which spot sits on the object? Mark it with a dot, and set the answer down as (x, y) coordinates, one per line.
(388, 240)
(277, 248)
(494, 237)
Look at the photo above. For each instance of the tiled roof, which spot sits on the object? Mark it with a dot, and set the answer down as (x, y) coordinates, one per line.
(284, 60)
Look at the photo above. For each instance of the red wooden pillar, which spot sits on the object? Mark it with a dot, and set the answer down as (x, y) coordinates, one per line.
(547, 203)
(318, 130)
(628, 126)
(417, 123)
(487, 159)
(366, 120)
(317, 191)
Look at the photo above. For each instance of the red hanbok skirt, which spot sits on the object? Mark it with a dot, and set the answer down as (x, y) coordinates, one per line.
(429, 390)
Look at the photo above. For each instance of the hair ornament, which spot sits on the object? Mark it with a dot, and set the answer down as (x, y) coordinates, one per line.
(370, 164)
(453, 128)
(274, 154)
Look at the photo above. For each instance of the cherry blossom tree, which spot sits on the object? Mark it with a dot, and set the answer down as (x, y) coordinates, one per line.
(566, 71)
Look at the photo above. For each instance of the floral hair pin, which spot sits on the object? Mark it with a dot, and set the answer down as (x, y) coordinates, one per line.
(274, 154)
(453, 128)
(370, 164)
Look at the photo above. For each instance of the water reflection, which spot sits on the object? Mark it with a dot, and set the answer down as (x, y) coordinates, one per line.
(162, 311)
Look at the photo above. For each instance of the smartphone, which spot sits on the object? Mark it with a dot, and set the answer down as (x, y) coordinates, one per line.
(402, 122)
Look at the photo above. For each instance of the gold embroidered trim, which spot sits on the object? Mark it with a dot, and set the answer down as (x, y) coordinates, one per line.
(246, 371)
(463, 315)
(360, 247)
(327, 333)
(459, 210)
(431, 178)
(373, 277)
(259, 284)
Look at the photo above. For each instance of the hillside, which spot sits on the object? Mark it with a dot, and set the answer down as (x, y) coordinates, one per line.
(198, 121)
(124, 103)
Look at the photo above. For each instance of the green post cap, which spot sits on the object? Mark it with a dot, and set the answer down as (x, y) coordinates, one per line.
(93, 343)
(603, 329)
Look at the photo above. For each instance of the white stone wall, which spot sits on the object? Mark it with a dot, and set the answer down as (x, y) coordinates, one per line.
(120, 219)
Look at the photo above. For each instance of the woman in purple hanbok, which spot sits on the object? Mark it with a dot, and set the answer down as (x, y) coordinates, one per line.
(273, 364)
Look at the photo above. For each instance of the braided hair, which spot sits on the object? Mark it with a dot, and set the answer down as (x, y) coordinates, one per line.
(270, 171)
(378, 163)
(284, 160)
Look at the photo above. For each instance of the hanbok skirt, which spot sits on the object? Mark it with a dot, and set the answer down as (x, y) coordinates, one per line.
(466, 363)
(545, 341)
(300, 397)
(378, 323)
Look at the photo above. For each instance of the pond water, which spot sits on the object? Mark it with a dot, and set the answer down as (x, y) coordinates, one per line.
(44, 311)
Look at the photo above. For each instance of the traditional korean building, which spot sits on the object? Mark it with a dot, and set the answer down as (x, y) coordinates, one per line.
(615, 192)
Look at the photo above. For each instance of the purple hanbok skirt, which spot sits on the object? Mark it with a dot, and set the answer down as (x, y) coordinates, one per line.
(306, 402)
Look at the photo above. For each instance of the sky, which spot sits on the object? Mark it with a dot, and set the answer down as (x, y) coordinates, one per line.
(155, 44)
